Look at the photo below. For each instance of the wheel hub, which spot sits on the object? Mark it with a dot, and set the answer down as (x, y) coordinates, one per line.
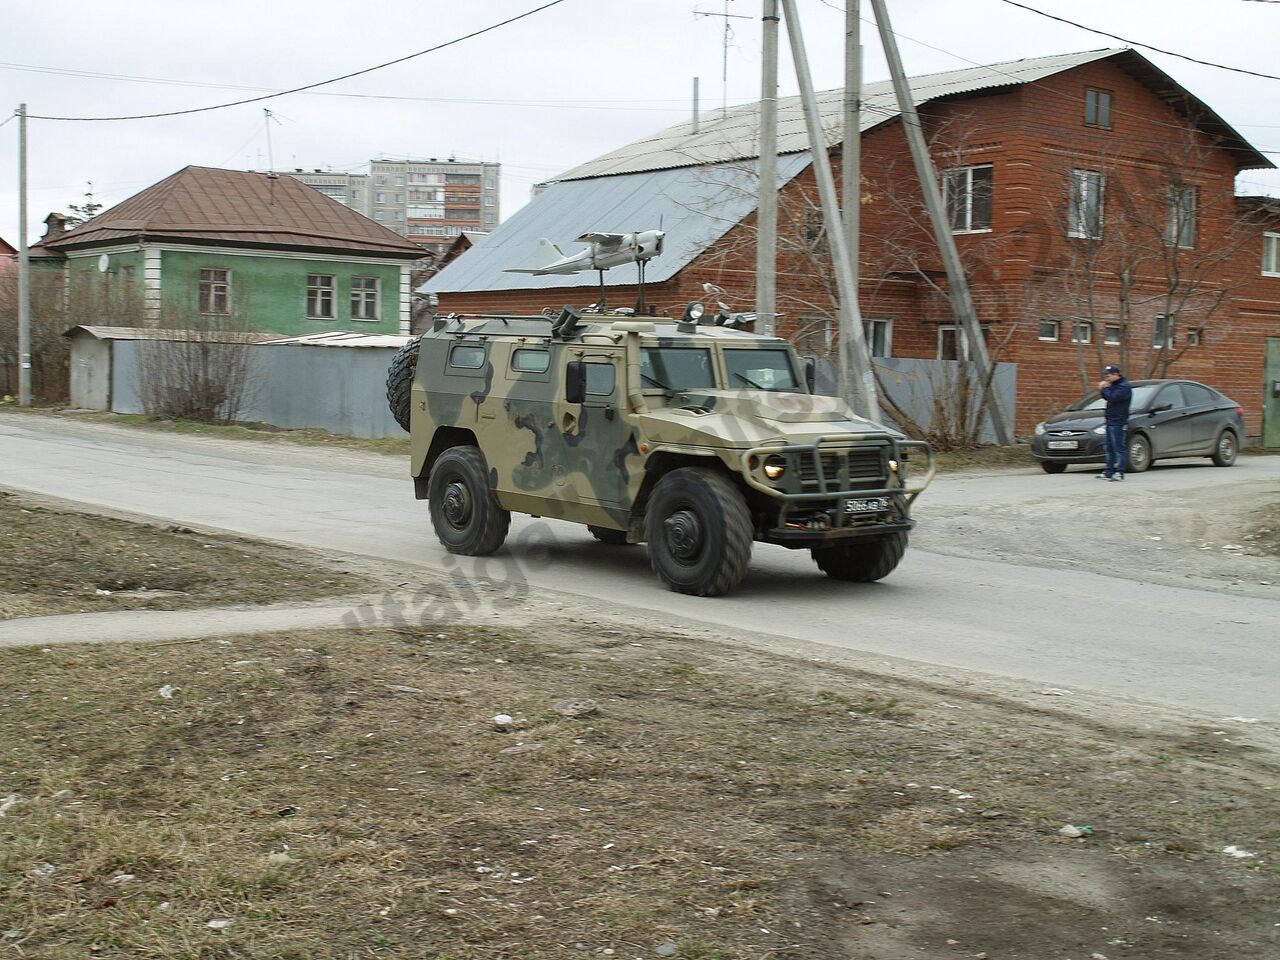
(683, 534)
(457, 505)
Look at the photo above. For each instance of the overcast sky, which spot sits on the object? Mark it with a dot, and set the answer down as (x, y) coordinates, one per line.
(540, 95)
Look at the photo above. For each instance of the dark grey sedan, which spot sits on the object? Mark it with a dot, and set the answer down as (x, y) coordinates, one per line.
(1167, 418)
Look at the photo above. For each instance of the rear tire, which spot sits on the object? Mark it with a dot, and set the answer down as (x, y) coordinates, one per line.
(1139, 458)
(1049, 467)
(699, 532)
(1226, 449)
(863, 561)
(614, 538)
(400, 381)
(464, 511)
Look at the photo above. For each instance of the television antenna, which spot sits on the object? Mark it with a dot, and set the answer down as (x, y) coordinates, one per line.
(726, 42)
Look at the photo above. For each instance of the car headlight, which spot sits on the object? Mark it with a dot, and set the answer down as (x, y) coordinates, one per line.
(1039, 429)
(1100, 430)
(775, 467)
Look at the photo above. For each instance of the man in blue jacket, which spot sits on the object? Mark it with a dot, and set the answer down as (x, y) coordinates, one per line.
(1117, 392)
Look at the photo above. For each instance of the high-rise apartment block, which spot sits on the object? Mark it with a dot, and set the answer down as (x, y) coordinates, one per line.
(431, 202)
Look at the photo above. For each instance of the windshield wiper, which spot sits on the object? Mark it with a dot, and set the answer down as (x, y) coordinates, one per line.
(656, 382)
(748, 381)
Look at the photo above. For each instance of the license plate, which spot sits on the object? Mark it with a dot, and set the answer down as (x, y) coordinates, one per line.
(1064, 444)
(870, 505)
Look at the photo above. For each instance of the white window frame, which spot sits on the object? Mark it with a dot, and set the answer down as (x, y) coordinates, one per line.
(1079, 326)
(1274, 244)
(321, 294)
(963, 176)
(366, 300)
(1078, 203)
(1157, 333)
(962, 341)
(379, 215)
(1057, 331)
(1194, 336)
(1108, 339)
(874, 324)
(1182, 231)
(209, 290)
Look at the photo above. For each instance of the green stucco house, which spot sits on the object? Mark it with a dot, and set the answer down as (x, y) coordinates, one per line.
(229, 248)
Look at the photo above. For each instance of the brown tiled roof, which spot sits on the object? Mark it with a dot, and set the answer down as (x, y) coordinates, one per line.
(208, 205)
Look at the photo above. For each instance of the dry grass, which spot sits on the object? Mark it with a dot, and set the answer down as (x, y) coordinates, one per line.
(54, 562)
(346, 794)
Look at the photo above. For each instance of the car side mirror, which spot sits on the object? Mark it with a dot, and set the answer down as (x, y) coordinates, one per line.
(810, 372)
(575, 381)
(1160, 408)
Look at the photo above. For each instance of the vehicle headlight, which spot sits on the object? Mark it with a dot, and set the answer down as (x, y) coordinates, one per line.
(1100, 430)
(1039, 429)
(775, 467)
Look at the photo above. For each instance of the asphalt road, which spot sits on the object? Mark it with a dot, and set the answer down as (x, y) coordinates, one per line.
(1198, 646)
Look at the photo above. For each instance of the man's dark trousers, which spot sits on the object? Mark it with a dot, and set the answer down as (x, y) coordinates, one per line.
(1113, 444)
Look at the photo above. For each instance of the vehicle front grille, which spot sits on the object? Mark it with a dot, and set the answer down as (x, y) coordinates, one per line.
(848, 468)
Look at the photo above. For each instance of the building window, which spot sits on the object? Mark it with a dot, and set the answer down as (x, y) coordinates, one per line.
(426, 213)
(320, 296)
(1271, 254)
(879, 337)
(364, 298)
(1193, 336)
(380, 181)
(967, 191)
(1182, 215)
(1160, 329)
(379, 198)
(1049, 330)
(215, 291)
(399, 198)
(399, 214)
(379, 215)
(355, 194)
(953, 344)
(1113, 334)
(488, 218)
(399, 181)
(1082, 332)
(1085, 216)
(1097, 109)
(488, 201)
(488, 184)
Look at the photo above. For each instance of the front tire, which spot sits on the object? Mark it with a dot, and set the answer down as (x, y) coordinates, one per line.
(863, 561)
(1139, 454)
(1226, 449)
(464, 511)
(699, 532)
(1050, 467)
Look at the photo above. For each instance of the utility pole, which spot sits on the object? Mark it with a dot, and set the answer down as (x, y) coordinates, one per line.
(767, 208)
(851, 158)
(854, 360)
(24, 268)
(957, 282)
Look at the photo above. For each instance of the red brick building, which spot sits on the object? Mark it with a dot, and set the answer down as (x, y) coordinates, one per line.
(1092, 197)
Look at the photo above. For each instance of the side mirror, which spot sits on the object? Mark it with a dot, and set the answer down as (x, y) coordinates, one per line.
(1160, 408)
(811, 372)
(575, 381)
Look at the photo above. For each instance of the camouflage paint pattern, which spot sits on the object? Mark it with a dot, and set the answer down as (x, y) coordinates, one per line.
(587, 462)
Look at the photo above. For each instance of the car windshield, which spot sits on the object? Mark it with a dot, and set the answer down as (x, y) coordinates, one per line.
(676, 368)
(760, 369)
(1141, 398)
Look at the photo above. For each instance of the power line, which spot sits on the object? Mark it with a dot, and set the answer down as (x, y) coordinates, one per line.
(1138, 43)
(321, 83)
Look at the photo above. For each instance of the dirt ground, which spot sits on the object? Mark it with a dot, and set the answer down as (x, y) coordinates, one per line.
(61, 561)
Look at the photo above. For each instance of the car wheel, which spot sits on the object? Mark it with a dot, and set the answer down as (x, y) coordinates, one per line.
(400, 381)
(1226, 449)
(1050, 467)
(614, 538)
(699, 532)
(864, 561)
(1139, 453)
(464, 511)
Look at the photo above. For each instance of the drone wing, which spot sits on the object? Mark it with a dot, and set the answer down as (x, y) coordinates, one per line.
(606, 241)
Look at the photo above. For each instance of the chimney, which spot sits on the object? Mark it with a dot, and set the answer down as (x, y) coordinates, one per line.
(55, 225)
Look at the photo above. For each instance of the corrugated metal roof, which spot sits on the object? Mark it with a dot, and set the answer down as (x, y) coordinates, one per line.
(737, 135)
(694, 205)
(342, 338)
(165, 334)
(236, 206)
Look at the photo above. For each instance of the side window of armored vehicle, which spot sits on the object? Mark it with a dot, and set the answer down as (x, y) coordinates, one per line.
(601, 378)
(759, 369)
(676, 368)
(530, 361)
(466, 358)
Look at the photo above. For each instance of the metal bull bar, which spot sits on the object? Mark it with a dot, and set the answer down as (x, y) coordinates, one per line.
(847, 441)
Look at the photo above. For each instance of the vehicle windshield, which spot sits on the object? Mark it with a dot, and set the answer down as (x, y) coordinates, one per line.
(760, 369)
(1141, 398)
(676, 368)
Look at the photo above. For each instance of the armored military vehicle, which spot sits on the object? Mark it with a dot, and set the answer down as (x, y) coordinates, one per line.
(697, 438)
